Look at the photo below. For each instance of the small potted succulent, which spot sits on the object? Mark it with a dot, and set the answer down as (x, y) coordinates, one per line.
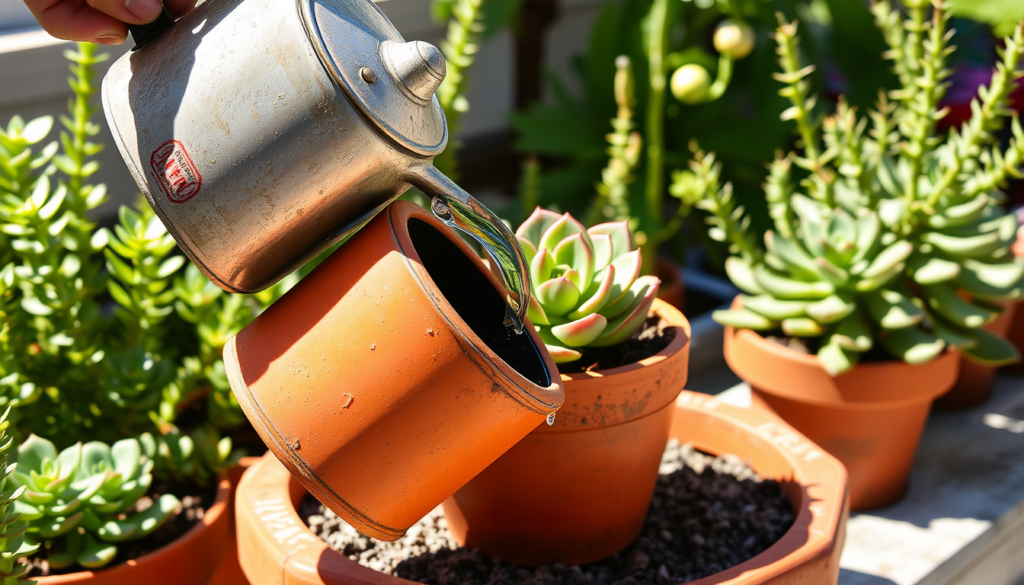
(887, 258)
(86, 501)
(623, 357)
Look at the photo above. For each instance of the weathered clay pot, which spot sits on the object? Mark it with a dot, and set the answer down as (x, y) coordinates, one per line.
(230, 572)
(672, 288)
(276, 548)
(870, 418)
(193, 558)
(974, 384)
(536, 504)
(386, 380)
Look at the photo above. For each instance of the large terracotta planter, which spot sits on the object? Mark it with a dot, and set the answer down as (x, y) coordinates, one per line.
(386, 380)
(870, 418)
(974, 384)
(536, 504)
(193, 558)
(276, 548)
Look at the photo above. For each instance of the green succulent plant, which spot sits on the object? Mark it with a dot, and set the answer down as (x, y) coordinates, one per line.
(890, 235)
(82, 501)
(13, 545)
(587, 288)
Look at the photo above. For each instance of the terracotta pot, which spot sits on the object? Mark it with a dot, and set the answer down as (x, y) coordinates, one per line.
(870, 418)
(672, 289)
(276, 548)
(230, 572)
(193, 558)
(535, 505)
(377, 380)
(974, 384)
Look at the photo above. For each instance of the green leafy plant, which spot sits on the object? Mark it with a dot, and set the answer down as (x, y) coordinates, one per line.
(13, 545)
(890, 235)
(587, 288)
(83, 501)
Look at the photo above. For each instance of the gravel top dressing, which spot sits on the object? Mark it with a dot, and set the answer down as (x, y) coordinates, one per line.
(708, 514)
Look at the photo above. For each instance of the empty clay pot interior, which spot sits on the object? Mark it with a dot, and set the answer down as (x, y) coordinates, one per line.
(476, 300)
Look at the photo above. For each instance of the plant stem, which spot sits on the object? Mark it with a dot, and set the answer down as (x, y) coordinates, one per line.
(655, 126)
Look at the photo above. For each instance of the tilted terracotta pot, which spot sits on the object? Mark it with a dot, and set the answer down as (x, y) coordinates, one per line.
(974, 384)
(386, 380)
(536, 504)
(276, 548)
(193, 558)
(870, 418)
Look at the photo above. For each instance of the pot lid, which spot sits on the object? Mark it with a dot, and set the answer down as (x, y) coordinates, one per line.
(390, 81)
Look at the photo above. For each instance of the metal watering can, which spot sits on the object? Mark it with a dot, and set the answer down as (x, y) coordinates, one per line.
(264, 131)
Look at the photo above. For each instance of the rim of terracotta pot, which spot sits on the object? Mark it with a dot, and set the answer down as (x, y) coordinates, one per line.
(277, 547)
(541, 399)
(867, 386)
(644, 373)
(151, 568)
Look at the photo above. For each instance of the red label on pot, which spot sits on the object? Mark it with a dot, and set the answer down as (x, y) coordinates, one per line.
(174, 171)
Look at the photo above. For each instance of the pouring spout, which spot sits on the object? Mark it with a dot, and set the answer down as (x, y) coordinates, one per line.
(460, 210)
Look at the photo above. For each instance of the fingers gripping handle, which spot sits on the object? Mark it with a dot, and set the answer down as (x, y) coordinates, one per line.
(143, 33)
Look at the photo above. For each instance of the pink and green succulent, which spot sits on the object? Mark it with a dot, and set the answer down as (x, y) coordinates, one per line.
(587, 288)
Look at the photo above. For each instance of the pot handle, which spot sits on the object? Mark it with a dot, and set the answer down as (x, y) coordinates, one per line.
(460, 210)
(143, 33)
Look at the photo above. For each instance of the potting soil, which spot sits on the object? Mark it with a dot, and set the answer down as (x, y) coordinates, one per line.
(707, 514)
(655, 335)
(195, 501)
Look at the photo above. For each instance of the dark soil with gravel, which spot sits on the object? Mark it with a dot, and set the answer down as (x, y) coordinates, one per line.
(654, 336)
(708, 514)
(195, 501)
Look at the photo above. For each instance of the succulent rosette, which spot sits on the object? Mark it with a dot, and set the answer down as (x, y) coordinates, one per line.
(587, 288)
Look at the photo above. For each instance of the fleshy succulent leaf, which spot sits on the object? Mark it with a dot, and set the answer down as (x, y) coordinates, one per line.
(529, 250)
(619, 238)
(576, 252)
(581, 332)
(597, 296)
(835, 359)
(535, 313)
(913, 345)
(542, 266)
(557, 296)
(741, 274)
(744, 319)
(33, 452)
(534, 227)
(991, 350)
(644, 291)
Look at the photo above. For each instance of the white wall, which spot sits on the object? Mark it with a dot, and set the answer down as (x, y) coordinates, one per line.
(33, 72)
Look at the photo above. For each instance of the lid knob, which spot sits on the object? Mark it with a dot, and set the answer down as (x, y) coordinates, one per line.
(418, 67)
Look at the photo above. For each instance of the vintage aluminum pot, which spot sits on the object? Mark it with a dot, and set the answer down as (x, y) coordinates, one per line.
(385, 380)
(264, 131)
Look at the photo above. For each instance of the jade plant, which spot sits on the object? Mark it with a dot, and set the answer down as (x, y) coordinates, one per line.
(587, 288)
(83, 501)
(888, 237)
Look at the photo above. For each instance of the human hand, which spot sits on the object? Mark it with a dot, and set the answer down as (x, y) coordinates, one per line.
(100, 21)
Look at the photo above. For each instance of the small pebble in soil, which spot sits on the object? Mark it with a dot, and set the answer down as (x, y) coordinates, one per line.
(707, 514)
